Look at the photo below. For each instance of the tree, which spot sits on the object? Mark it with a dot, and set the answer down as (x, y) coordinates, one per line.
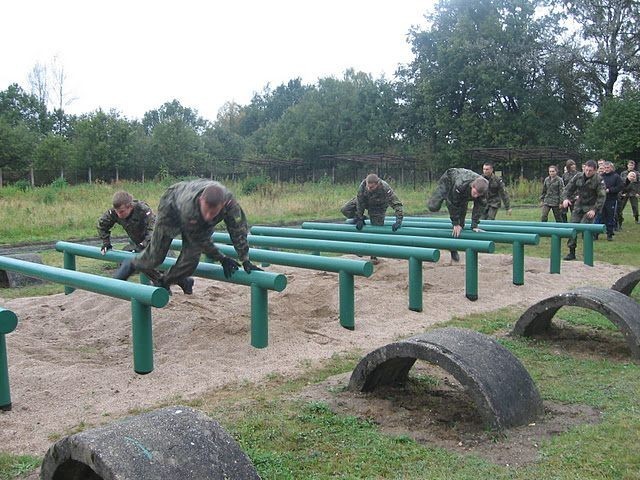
(614, 132)
(18, 107)
(17, 143)
(52, 155)
(611, 33)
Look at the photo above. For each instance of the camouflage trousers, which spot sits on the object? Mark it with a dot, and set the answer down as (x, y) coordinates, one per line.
(578, 216)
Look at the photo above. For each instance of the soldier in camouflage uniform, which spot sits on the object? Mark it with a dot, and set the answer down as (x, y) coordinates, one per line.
(630, 192)
(374, 195)
(588, 191)
(457, 187)
(570, 171)
(552, 195)
(136, 218)
(193, 209)
(496, 195)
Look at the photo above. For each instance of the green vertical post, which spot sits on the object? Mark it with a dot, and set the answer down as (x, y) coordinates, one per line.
(518, 263)
(8, 323)
(144, 279)
(69, 263)
(346, 300)
(141, 333)
(471, 274)
(259, 317)
(556, 254)
(587, 249)
(5, 392)
(415, 284)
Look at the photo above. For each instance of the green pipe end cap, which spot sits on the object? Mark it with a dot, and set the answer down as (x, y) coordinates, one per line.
(8, 321)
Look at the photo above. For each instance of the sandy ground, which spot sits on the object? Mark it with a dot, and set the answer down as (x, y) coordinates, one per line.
(70, 359)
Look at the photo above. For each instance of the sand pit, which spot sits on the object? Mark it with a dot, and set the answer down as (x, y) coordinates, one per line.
(70, 359)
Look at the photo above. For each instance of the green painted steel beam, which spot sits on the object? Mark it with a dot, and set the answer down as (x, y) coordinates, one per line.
(517, 240)
(8, 323)
(385, 251)
(268, 280)
(147, 295)
(345, 267)
(385, 239)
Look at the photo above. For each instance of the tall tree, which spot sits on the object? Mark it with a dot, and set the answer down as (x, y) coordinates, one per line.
(611, 33)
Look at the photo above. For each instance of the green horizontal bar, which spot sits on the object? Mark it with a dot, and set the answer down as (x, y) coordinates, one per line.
(268, 280)
(385, 251)
(302, 260)
(352, 235)
(8, 321)
(145, 294)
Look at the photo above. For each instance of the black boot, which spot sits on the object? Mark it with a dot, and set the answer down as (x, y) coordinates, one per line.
(186, 285)
(455, 257)
(636, 217)
(572, 254)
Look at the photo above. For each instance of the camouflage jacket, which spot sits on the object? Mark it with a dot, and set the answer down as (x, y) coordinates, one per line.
(179, 205)
(457, 183)
(497, 193)
(552, 191)
(378, 200)
(630, 188)
(138, 225)
(589, 193)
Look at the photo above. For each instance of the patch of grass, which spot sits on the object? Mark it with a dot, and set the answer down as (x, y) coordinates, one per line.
(15, 466)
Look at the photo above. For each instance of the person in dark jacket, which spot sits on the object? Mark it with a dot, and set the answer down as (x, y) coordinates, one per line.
(192, 209)
(613, 186)
(630, 192)
(585, 192)
(457, 187)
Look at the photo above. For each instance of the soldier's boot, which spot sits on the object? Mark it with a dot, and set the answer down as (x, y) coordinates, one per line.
(125, 270)
(161, 283)
(636, 217)
(186, 285)
(571, 255)
(375, 260)
(455, 256)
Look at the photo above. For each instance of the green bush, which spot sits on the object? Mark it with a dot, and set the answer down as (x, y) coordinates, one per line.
(255, 184)
(59, 183)
(22, 185)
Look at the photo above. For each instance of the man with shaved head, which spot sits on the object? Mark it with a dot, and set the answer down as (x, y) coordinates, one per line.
(192, 210)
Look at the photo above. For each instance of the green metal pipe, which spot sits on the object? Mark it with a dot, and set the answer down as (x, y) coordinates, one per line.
(385, 239)
(587, 247)
(471, 275)
(346, 268)
(153, 296)
(69, 263)
(8, 323)
(580, 227)
(517, 240)
(268, 280)
(415, 284)
(546, 231)
(141, 333)
(259, 317)
(385, 251)
(346, 302)
(302, 260)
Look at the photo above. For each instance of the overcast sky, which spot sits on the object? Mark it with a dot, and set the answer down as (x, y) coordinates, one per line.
(135, 55)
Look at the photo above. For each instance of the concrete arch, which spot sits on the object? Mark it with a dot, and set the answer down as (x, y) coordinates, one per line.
(499, 385)
(174, 442)
(620, 309)
(627, 283)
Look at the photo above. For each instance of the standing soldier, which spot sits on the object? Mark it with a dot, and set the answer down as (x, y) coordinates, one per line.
(496, 195)
(630, 192)
(457, 187)
(587, 189)
(374, 195)
(552, 195)
(192, 209)
(136, 218)
(612, 186)
(570, 171)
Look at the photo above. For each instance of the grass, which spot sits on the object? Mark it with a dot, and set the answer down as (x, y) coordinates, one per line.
(288, 438)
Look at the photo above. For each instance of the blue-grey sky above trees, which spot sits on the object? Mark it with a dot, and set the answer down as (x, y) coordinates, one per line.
(133, 56)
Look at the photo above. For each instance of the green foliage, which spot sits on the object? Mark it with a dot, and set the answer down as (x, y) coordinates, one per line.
(22, 185)
(59, 183)
(259, 183)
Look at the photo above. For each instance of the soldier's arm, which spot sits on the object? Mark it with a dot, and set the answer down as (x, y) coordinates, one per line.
(238, 228)
(544, 190)
(601, 197)
(105, 223)
(150, 223)
(479, 205)
(360, 201)
(396, 204)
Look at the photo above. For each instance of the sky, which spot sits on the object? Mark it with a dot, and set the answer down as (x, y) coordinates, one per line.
(135, 55)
